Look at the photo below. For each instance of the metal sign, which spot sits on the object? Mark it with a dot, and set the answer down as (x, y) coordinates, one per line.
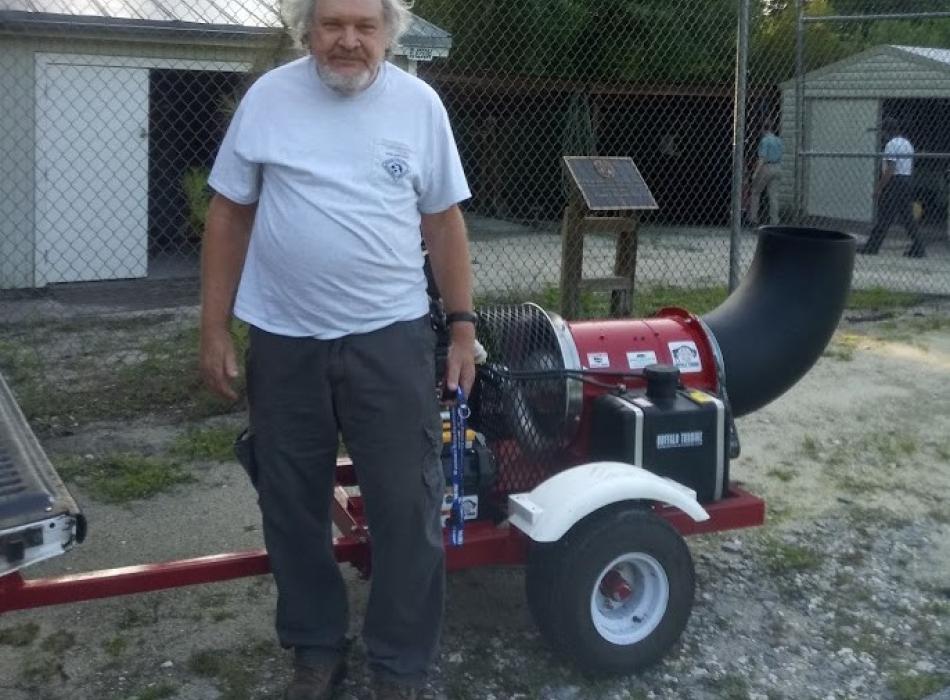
(609, 183)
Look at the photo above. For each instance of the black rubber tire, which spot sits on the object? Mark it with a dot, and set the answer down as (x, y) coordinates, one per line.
(543, 559)
(561, 577)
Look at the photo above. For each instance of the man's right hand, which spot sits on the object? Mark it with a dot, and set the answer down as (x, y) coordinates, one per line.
(218, 362)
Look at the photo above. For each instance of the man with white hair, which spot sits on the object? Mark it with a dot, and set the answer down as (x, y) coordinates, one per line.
(331, 167)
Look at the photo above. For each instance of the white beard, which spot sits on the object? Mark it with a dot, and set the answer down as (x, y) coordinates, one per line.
(345, 84)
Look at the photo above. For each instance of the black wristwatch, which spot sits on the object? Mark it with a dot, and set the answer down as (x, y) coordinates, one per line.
(461, 317)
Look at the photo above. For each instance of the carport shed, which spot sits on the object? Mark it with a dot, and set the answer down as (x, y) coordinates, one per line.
(844, 103)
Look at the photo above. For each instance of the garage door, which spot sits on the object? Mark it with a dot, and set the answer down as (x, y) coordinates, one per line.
(840, 187)
(91, 201)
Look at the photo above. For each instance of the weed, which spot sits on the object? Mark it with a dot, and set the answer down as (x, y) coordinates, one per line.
(842, 346)
(781, 557)
(940, 514)
(41, 670)
(19, 364)
(132, 617)
(855, 557)
(215, 444)
(234, 671)
(811, 447)
(119, 477)
(857, 485)
(157, 692)
(731, 687)
(20, 635)
(940, 608)
(58, 642)
(116, 646)
(892, 446)
(914, 686)
(784, 475)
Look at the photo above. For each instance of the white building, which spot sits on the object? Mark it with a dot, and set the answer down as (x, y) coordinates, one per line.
(102, 104)
(844, 103)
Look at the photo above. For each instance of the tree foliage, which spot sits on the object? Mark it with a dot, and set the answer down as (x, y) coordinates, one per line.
(664, 41)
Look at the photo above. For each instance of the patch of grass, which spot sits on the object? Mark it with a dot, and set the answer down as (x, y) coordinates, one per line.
(914, 686)
(138, 375)
(698, 300)
(842, 346)
(41, 670)
(20, 364)
(134, 617)
(867, 521)
(811, 447)
(783, 557)
(216, 444)
(731, 687)
(892, 446)
(784, 475)
(940, 514)
(58, 642)
(853, 558)
(857, 485)
(940, 608)
(158, 692)
(943, 451)
(116, 646)
(235, 671)
(646, 300)
(879, 298)
(22, 635)
(119, 477)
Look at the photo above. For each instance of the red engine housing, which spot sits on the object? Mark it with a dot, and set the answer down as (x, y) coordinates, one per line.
(612, 349)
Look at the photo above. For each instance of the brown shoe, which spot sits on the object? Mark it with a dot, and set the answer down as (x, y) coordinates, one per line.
(387, 690)
(316, 682)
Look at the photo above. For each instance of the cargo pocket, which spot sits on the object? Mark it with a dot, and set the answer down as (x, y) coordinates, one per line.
(244, 451)
(433, 478)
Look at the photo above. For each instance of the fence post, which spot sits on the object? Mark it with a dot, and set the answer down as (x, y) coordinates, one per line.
(798, 185)
(738, 140)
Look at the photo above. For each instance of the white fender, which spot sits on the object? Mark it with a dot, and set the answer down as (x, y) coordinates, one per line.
(558, 503)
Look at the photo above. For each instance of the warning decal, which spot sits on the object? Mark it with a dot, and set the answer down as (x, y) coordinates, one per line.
(598, 360)
(641, 358)
(686, 356)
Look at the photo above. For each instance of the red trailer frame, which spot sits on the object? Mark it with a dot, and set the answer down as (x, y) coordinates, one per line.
(486, 544)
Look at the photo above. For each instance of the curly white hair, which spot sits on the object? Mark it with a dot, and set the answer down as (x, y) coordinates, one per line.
(298, 18)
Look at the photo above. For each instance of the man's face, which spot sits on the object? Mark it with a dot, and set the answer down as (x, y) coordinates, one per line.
(348, 41)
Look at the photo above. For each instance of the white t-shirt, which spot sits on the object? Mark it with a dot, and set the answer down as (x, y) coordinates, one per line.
(340, 183)
(899, 146)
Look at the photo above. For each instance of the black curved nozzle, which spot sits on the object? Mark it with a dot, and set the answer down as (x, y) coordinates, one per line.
(775, 325)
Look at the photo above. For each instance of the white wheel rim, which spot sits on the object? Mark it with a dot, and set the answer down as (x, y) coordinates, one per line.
(632, 605)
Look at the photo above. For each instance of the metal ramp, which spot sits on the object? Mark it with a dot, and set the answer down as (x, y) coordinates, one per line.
(38, 517)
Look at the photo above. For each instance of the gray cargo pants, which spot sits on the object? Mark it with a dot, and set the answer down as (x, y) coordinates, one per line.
(377, 390)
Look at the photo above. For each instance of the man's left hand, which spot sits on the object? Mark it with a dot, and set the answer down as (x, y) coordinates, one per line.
(460, 363)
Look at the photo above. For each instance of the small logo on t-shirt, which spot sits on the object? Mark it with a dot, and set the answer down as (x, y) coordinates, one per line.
(397, 168)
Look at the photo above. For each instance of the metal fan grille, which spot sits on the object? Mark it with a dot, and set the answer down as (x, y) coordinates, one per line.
(526, 420)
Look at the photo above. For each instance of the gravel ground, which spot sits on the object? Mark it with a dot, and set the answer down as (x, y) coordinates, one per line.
(845, 593)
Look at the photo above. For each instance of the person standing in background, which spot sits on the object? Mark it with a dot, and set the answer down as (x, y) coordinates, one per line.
(893, 193)
(767, 175)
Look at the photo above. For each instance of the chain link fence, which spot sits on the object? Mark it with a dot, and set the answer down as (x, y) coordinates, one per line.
(110, 117)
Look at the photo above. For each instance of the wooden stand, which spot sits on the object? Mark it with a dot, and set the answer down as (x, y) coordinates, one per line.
(608, 206)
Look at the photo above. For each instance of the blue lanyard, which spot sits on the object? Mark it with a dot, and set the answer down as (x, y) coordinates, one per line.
(460, 412)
